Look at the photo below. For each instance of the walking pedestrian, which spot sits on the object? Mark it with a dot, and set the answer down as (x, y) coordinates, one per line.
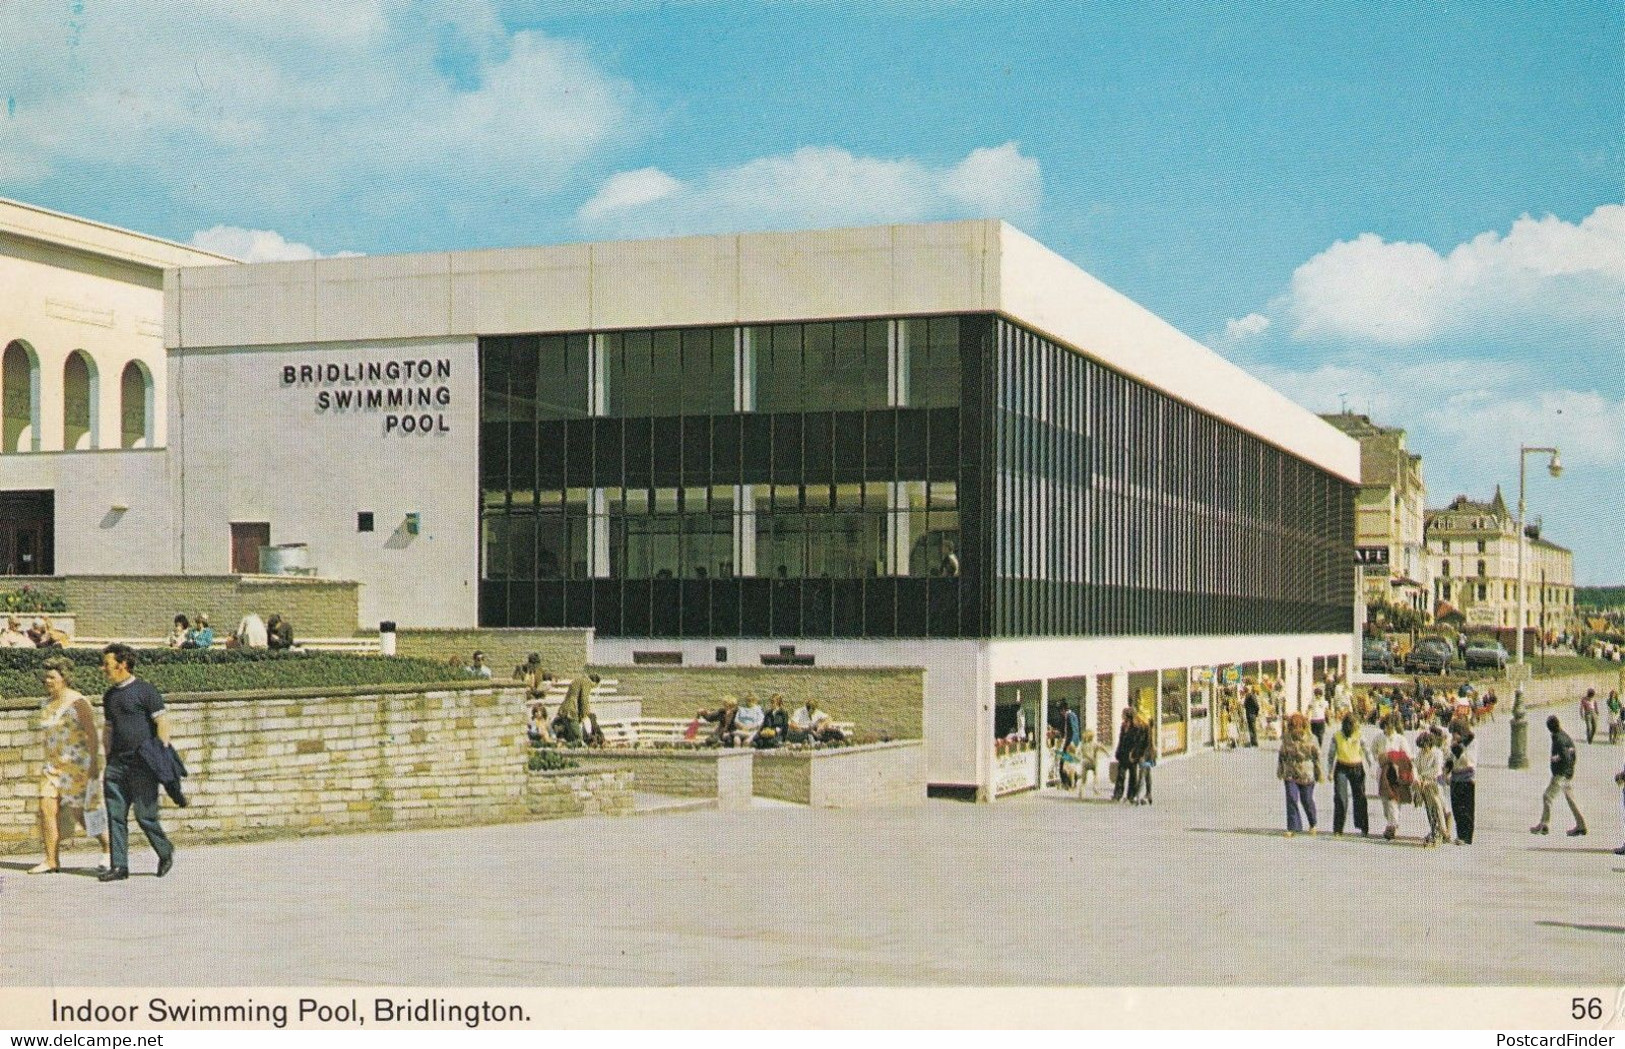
(1619, 779)
(1463, 782)
(1318, 709)
(1397, 780)
(1298, 768)
(1346, 758)
(1148, 758)
(1249, 706)
(1563, 762)
(1429, 767)
(70, 778)
(1588, 712)
(134, 713)
(1127, 782)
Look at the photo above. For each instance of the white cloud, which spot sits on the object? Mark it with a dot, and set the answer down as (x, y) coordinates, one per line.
(629, 190)
(378, 105)
(1240, 329)
(815, 186)
(1401, 293)
(257, 245)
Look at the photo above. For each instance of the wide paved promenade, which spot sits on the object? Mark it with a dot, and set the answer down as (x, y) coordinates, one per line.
(1201, 888)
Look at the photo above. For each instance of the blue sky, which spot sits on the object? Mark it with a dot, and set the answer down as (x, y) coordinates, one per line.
(1416, 206)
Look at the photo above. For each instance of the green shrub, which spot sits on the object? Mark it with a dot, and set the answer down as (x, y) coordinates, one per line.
(549, 759)
(28, 599)
(224, 670)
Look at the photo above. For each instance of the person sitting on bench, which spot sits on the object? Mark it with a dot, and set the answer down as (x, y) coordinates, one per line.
(812, 725)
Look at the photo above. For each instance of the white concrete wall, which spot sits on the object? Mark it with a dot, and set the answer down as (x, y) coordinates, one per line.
(248, 447)
(91, 538)
(958, 693)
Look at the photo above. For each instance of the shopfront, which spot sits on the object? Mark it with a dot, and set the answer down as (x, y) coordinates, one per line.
(1017, 736)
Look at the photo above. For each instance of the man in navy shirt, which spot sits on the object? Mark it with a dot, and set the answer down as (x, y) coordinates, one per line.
(134, 714)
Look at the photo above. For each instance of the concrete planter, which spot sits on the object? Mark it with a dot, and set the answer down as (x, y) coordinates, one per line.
(688, 773)
(869, 776)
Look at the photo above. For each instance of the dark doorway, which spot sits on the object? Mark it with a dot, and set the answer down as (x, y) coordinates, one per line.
(26, 539)
(246, 540)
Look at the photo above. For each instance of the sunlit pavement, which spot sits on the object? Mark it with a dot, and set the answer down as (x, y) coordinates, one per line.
(1201, 888)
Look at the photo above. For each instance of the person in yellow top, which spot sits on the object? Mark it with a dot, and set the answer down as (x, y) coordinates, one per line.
(1345, 756)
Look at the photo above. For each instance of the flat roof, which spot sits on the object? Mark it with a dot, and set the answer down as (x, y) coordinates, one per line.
(99, 238)
(974, 266)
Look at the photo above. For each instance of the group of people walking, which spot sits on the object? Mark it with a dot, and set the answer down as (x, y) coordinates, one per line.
(95, 780)
(1136, 756)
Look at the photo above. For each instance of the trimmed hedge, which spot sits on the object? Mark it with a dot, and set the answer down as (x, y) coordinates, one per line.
(223, 670)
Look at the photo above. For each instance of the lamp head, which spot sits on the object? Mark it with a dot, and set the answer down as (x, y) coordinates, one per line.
(1555, 467)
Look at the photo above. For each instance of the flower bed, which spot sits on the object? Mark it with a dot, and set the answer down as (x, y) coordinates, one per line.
(223, 670)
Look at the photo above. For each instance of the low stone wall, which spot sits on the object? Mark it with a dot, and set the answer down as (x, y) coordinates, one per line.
(564, 652)
(569, 792)
(145, 606)
(711, 772)
(313, 761)
(885, 702)
(869, 776)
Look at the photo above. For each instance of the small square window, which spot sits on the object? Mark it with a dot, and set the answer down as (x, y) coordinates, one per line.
(363, 521)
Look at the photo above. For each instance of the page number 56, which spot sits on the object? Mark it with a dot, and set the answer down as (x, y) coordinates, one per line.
(1586, 1008)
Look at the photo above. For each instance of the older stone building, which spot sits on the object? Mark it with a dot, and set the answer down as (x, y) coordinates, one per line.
(1473, 550)
(1390, 512)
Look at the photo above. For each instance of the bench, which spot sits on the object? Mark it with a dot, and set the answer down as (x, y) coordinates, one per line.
(632, 732)
(361, 646)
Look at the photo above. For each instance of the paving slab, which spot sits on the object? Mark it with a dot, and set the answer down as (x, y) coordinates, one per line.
(1200, 888)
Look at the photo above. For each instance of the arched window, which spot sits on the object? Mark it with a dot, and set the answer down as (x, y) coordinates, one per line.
(19, 396)
(135, 406)
(1445, 569)
(79, 403)
(1481, 568)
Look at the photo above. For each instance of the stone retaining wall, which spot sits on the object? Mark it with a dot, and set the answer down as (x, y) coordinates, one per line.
(569, 792)
(885, 702)
(700, 773)
(1547, 691)
(313, 761)
(145, 606)
(844, 777)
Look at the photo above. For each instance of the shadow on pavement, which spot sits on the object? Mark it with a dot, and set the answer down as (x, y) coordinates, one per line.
(1572, 850)
(1620, 929)
(1325, 835)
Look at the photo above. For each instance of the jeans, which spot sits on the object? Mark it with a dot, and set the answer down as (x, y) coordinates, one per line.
(1128, 781)
(1463, 801)
(129, 783)
(1296, 794)
(1252, 730)
(1319, 729)
(1591, 727)
(1349, 785)
(1145, 782)
(1563, 785)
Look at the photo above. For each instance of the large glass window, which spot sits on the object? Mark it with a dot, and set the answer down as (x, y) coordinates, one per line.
(670, 533)
(671, 371)
(823, 366)
(537, 535)
(931, 349)
(821, 531)
(931, 521)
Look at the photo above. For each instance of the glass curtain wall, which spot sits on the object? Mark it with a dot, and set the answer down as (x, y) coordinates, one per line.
(1123, 511)
(789, 479)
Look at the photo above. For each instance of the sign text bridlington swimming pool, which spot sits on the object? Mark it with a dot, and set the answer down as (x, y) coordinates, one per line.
(408, 393)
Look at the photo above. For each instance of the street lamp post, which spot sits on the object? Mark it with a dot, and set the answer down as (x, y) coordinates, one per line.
(1555, 468)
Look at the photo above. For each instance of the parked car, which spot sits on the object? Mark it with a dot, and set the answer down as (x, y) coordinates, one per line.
(1431, 654)
(1485, 652)
(1376, 657)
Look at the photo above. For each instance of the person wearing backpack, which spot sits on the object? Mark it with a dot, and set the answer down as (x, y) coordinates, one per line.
(1397, 779)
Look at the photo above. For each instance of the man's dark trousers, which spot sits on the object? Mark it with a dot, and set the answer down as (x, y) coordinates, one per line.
(1252, 729)
(130, 783)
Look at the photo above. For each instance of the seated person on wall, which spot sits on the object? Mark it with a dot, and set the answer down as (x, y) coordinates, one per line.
(726, 719)
(537, 729)
(477, 667)
(536, 680)
(279, 633)
(45, 634)
(201, 636)
(775, 724)
(251, 632)
(13, 636)
(748, 721)
(177, 633)
(809, 724)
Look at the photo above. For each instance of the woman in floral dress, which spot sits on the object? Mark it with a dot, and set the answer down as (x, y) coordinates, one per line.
(70, 780)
